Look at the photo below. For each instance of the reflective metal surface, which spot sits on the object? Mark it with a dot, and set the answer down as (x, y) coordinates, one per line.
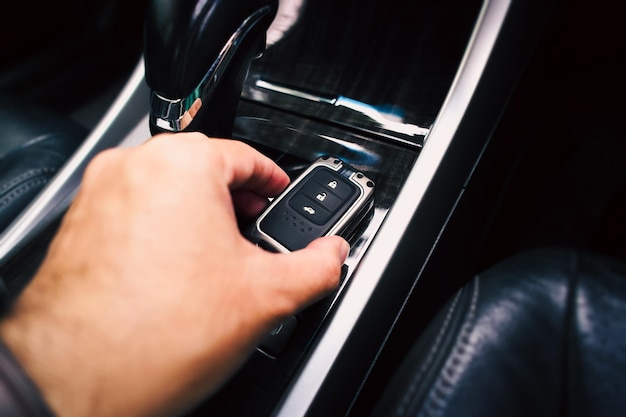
(344, 111)
(175, 114)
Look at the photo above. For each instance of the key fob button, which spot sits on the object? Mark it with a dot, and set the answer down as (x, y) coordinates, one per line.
(309, 209)
(333, 183)
(322, 196)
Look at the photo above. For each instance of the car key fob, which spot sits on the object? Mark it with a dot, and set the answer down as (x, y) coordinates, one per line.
(329, 198)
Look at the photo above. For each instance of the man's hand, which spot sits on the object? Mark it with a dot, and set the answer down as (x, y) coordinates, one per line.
(149, 297)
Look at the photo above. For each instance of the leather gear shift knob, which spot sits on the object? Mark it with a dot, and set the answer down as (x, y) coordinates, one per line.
(197, 54)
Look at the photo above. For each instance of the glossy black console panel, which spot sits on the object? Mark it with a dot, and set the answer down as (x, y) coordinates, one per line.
(395, 55)
(399, 59)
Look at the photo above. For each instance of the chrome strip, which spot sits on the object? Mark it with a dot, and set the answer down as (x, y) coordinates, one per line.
(366, 110)
(175, 115)
(303, 390)
(123, 124)
(368, 119)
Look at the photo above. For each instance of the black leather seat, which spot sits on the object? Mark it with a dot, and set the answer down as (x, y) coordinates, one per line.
(540, 334)
(34, 144)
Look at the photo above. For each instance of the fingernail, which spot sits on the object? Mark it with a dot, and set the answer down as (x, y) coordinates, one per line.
(344, 250)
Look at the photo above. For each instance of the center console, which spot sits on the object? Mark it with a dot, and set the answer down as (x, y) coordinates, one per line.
(407, 93)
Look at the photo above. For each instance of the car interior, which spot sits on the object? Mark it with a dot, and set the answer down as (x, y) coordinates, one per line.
(489, 128)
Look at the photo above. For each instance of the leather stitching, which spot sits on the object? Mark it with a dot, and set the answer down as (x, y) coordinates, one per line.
(24, 176)
(34, 182)
(410, 393)
(453, 367)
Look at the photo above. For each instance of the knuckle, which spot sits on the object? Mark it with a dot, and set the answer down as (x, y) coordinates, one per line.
(100, 165)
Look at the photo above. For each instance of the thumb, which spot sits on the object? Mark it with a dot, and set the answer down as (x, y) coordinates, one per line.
(308, 274)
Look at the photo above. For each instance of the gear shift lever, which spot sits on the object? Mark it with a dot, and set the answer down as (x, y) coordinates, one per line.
(197, 55)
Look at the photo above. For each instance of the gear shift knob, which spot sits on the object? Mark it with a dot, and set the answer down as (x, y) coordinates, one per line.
(197, 55)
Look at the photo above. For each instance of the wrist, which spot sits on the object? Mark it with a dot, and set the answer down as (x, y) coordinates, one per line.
(18, 393)
(36, 345)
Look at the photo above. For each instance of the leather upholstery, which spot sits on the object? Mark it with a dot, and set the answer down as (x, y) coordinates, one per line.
(34, 144)
(541, 334)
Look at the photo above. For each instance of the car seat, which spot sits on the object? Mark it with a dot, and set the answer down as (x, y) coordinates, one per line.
(35, 142)
(542, 333)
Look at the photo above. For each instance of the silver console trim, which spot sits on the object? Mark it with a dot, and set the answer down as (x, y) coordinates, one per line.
(301, 394)
(123, 124)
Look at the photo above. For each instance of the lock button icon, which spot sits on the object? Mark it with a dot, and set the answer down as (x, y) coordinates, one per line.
(321, 196)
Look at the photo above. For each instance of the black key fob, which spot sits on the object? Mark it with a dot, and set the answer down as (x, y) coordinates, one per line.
(329, 198)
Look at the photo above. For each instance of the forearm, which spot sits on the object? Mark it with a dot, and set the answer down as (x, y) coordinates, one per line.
(149, 297)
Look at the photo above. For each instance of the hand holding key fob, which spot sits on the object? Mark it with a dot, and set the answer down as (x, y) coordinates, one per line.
(329, 198)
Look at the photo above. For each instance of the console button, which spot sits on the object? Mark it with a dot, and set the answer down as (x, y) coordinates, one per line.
(275, 341)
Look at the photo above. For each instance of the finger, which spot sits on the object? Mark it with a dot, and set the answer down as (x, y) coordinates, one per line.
(248, 204)
(306, 275)
(246, 168)
(238, 164)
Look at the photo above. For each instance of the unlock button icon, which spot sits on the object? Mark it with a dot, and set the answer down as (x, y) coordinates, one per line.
(320, 196)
